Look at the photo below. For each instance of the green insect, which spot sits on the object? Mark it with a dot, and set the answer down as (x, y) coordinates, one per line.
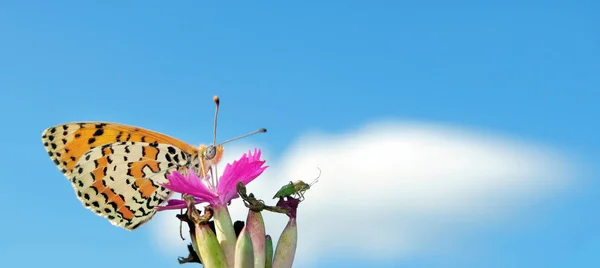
(296, 188)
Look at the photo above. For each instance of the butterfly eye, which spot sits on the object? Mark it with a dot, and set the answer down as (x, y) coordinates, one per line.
(210, 152)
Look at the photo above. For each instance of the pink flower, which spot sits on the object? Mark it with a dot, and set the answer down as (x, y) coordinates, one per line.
(244, 170)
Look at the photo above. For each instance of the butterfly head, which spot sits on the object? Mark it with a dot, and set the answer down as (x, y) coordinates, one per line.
(211, 153)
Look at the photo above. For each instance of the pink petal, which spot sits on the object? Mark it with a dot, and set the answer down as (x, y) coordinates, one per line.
(191, 185)
(246, 169)
(172, 204)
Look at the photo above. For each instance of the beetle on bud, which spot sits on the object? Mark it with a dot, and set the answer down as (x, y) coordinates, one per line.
(297, 188)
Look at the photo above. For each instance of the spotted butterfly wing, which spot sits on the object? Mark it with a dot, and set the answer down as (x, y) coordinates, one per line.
(125, 190)
(116, 170)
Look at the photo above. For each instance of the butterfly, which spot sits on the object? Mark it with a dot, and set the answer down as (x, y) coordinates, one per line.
(117, 170)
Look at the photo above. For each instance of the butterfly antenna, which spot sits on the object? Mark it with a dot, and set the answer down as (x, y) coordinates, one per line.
(262, 130)
(217, 102)
(317, 179)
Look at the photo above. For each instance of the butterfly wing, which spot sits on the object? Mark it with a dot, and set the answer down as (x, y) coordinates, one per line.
(122, 181)
(66, 143)
(116, 170)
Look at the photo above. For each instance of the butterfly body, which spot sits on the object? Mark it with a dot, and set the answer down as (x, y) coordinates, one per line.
(117, 170)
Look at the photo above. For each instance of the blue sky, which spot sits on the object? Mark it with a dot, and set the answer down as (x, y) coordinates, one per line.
(526, 70)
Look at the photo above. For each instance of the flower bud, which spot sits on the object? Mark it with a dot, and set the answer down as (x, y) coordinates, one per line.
(286, 246)
(256, 227)
(225, 233)
(209, 248)
(244, 255)
(269, 251)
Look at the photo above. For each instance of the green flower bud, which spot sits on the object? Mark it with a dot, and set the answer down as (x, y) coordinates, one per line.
(244, 253)
(286, 246)
(209, 248)
(225, 233)
(256, 227)
(269, 251)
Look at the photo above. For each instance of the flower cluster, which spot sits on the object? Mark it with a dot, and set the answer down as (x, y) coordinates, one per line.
(221, 243)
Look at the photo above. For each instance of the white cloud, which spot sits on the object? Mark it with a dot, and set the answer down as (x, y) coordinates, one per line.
(395, 189)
